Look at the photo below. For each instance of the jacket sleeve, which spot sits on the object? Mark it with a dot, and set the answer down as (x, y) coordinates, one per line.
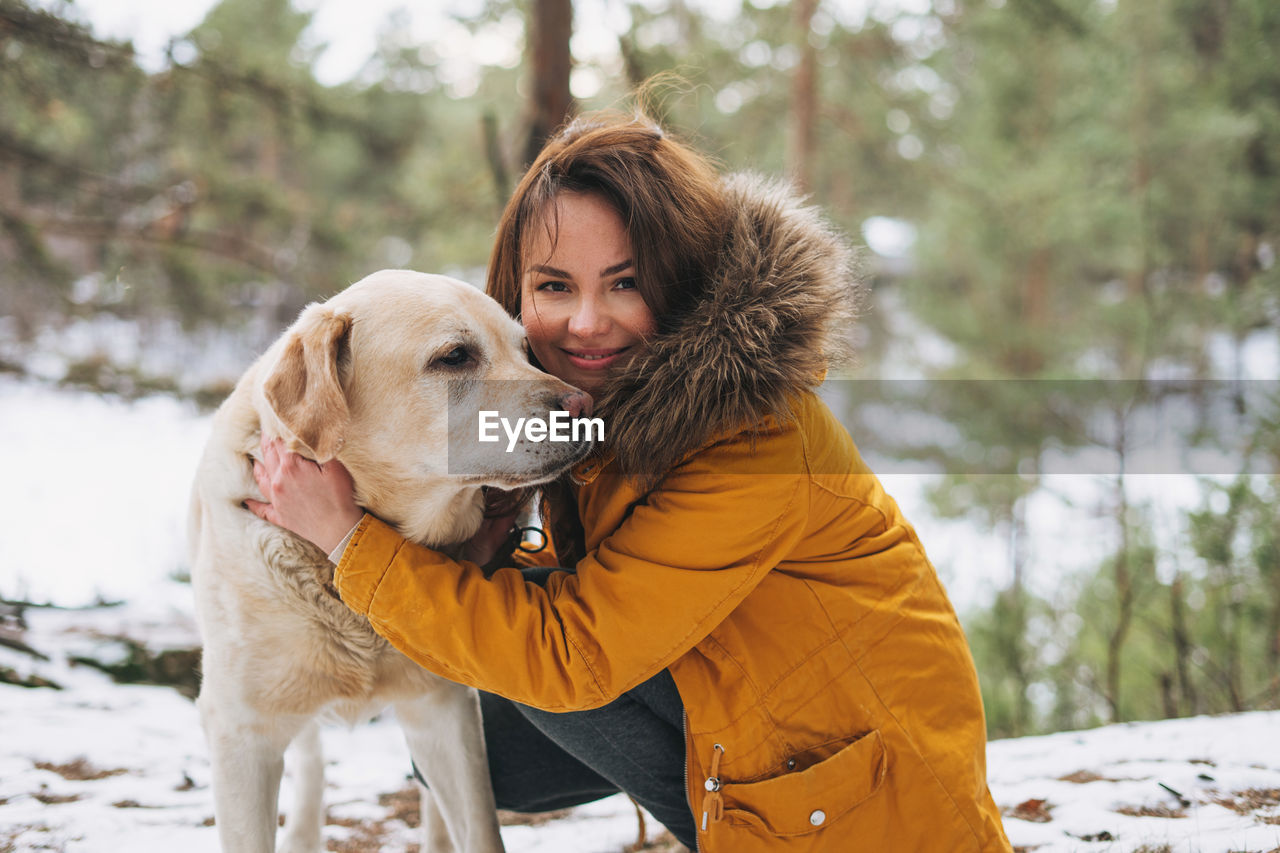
(661, 582)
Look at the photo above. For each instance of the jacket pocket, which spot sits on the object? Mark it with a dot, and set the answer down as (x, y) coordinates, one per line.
(810, 800)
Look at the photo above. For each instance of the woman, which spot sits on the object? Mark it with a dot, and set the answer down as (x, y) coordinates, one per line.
(752, 642)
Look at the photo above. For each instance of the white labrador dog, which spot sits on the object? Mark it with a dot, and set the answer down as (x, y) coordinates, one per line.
(385, 377)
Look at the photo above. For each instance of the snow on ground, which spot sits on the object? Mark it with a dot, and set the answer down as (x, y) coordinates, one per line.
(1202, 785)
(94, 510)
(98, 766)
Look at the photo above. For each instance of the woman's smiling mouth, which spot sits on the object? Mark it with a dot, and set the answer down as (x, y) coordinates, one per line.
(593, 359)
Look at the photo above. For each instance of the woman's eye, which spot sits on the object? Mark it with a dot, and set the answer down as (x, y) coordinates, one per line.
(625, 284)
(455, 357)
(553, 286)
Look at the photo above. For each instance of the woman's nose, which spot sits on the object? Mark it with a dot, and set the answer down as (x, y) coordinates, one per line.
(588, 319)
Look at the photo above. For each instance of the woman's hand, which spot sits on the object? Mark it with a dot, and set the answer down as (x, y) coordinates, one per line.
(315, 501)
(497, 536)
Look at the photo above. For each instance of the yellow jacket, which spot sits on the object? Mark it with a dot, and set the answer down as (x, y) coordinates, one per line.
(831, 700)
(805, 629)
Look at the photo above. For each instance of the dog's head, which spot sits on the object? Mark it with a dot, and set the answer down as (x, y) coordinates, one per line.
(391, 376)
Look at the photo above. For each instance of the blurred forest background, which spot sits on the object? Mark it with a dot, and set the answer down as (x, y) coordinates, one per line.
(1054, 191)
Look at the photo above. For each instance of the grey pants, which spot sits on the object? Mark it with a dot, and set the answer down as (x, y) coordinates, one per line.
(540, 761)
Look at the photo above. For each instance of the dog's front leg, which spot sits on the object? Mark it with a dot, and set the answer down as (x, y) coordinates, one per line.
(434, 830)
(305, 823)
(247, 755)
(446, 740)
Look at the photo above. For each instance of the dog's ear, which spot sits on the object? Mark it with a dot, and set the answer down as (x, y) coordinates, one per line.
(303, 387)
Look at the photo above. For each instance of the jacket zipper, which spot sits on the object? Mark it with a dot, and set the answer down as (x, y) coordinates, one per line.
(684, 720)
(713, 803)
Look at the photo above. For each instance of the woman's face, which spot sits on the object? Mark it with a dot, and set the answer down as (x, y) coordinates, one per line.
(579, 303)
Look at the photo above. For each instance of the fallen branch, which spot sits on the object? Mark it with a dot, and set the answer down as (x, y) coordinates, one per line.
(48, 605)
(16, 644)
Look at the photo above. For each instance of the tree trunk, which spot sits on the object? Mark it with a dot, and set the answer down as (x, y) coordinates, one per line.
(493, 153)
(1029, 358)
(1124, 586)
(1273, 633)
(1019, 653)
(804, 98)
(1235, 665)
(549, 27)
(1186, 696)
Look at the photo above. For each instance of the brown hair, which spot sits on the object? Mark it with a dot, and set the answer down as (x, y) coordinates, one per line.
(670, 200)
(667, 194)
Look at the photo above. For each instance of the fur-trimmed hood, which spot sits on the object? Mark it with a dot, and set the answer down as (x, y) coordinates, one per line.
(773, 316)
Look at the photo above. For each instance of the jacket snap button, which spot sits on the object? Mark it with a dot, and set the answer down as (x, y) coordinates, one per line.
(791, 764)
(817, 817)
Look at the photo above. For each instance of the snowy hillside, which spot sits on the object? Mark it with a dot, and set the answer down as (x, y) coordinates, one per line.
(94, 510)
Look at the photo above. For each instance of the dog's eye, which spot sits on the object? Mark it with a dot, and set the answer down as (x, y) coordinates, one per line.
(455, 357)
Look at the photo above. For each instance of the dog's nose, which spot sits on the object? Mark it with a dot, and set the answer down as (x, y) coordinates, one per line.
(576, 403)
